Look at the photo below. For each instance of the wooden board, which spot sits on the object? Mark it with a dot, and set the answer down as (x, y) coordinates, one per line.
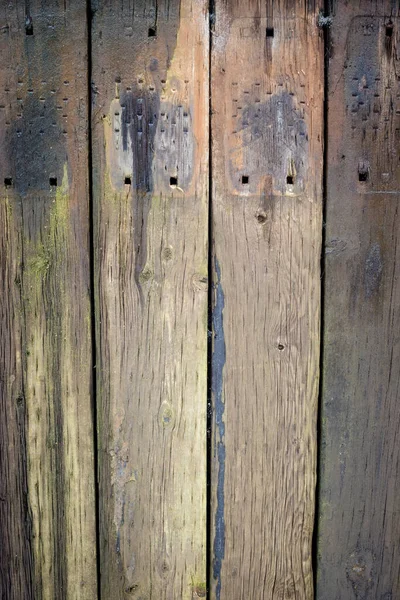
(267, 96)
(359, 526)
(47, 512)
(150, 175)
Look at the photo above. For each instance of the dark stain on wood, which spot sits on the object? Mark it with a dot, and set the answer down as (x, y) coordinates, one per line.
(275, 124)
(358, 528)
(36, 145)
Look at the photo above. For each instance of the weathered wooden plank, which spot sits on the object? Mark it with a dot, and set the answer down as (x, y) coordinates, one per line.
(150, 156)
(359, 526)
(267, 94)
(47, 514)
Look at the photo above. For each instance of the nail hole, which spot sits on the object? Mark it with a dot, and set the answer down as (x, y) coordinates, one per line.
(389, 29)
(245, 179)
(290, 180)
(28, 26)
(152, 32)
(8, 182)
(363, 176)
(281, 347)
(173, 181)
(270, 32)
(128, 181)
(53, 181)
(261, 218)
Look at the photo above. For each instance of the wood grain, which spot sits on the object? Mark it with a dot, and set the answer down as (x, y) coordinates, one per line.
(47, 513)
(359, 526)
(267, 95)
(150, 159)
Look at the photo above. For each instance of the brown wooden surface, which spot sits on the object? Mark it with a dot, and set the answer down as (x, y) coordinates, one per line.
(150, 112)
(359, 526)
(47, 514)
(150, 123)
(267, 95)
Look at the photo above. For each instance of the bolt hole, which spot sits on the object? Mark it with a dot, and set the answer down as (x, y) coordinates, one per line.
(53, 181)
(152, 32)
(270, 32)
(8, 182)
(28, 26)
(363, 176)
(173, 181)
(128, 181)
(245, 179)
(281, 347)
(290, 180)
(389, 30)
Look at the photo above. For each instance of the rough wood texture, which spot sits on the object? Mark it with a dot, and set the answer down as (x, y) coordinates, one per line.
(47, 513)
(150, 156)
(359, 527)
(267, 94)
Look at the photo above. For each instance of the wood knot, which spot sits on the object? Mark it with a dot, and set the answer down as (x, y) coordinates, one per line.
(199, 282)
(145, 275)
(131, 589)
(166, 415)
(167, 253)
(261, 217)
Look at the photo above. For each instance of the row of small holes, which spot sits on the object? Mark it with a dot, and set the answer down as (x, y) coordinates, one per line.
(289, 179)
(362, 176)
(173, 181)
(152, 32)
(29, 30)
(8, 182)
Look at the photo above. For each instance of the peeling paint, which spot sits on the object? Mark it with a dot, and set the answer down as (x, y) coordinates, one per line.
(373, 270)
(218, 362)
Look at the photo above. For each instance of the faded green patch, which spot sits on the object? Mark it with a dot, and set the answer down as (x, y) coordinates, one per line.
(42, 255)
(38, 264)
(59, 214)
(199, 588)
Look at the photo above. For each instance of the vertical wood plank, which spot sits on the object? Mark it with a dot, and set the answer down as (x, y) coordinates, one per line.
(47, 513)
(359, 526)
(267, 95)
(150, 157)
